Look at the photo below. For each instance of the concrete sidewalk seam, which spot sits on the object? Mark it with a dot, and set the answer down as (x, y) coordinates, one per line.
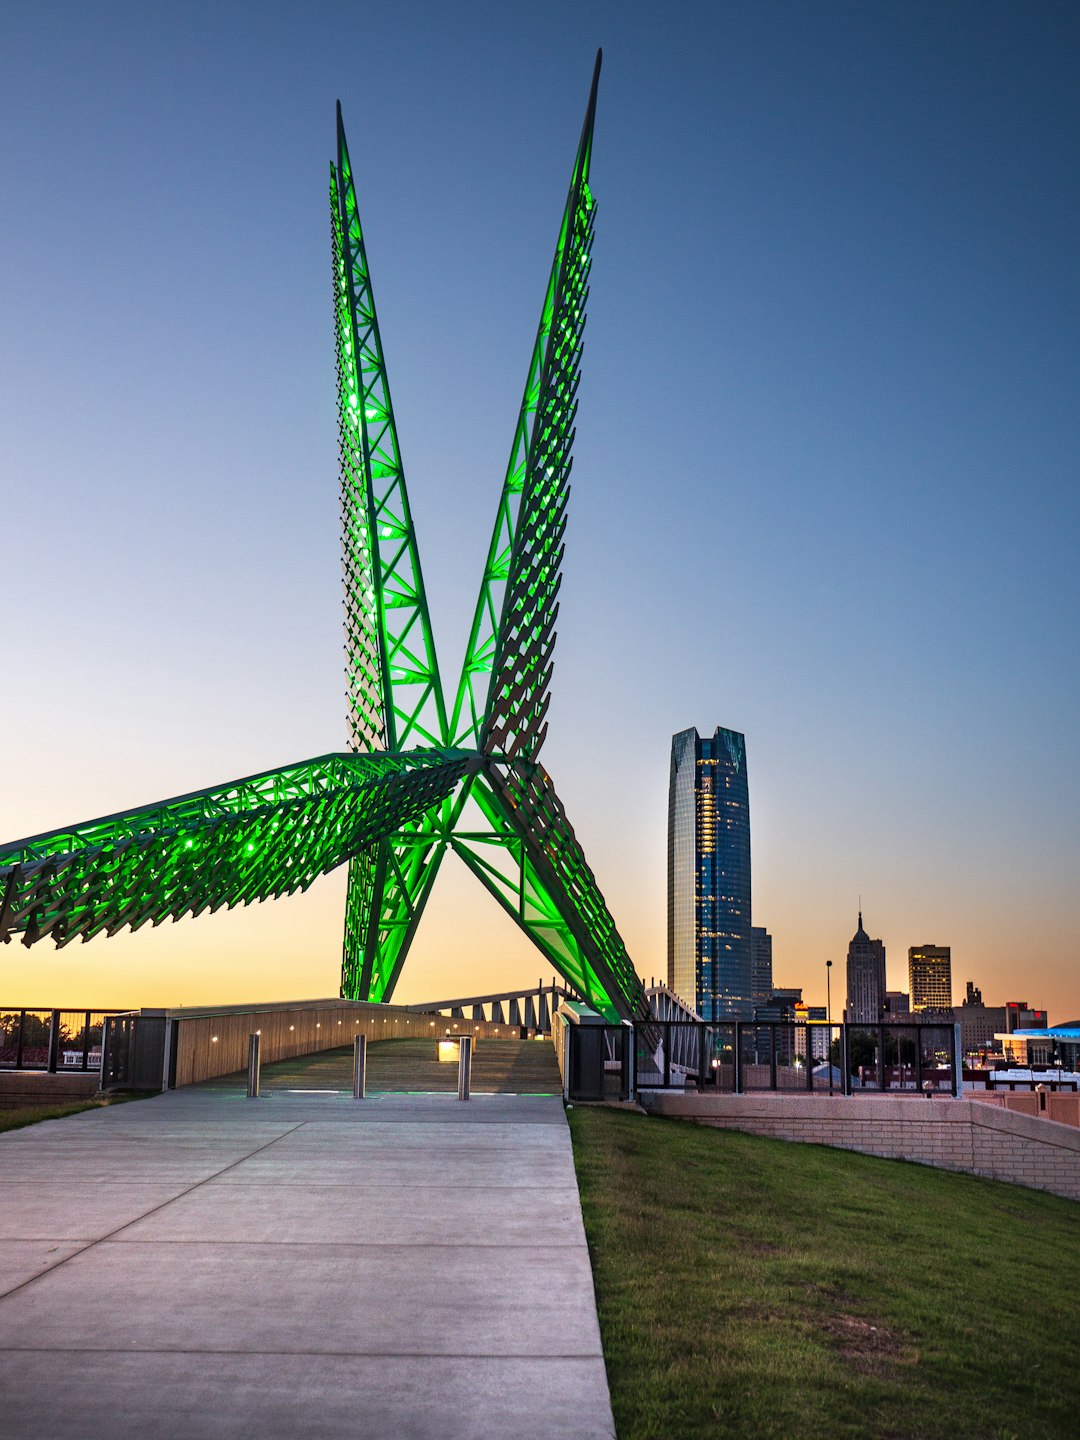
(52, 1269)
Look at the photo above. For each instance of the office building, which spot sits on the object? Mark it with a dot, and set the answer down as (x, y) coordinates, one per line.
(978, 1022)
(760, 966)
(865, 979)
(815, 1039)
(786, 1009)
(982, 1025)
(930, 980)
(709, 957)
(780, 1009)
(1019, 1016)
(897, 1004)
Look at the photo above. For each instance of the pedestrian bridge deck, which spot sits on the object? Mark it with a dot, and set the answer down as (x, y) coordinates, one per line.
(204, 1264)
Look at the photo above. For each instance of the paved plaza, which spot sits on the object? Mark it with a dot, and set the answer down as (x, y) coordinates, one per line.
(201, 1264)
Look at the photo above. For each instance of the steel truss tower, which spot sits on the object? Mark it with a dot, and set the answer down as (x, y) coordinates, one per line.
(422, 775)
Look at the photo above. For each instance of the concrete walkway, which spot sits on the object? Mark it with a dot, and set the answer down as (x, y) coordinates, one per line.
(202, 1265)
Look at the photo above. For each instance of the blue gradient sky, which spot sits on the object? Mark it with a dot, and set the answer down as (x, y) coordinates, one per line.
(825, 487)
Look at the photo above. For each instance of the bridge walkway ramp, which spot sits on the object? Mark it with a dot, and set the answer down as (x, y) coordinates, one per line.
(202, 1264)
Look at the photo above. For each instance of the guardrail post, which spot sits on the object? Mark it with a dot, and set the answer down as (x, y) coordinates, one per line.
(464, 1067)
(359, 1067)
(54, 1041)
(254, 1044)
(736, 1068)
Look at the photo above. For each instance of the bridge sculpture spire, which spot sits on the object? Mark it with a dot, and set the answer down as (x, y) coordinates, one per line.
(420, 776)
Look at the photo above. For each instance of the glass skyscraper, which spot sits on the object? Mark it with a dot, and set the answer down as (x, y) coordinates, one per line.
(709, 951)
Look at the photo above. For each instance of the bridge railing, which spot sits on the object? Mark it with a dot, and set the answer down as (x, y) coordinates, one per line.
(54, 1041)
(167, 1049)
(601, 1061)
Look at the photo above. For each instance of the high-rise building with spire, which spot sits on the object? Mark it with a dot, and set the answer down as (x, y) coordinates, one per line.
(709, 954)
(865, 978)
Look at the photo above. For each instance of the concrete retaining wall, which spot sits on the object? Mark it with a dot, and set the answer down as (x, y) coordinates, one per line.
(37, 1087)
(1064, 1107)
(949, 1134)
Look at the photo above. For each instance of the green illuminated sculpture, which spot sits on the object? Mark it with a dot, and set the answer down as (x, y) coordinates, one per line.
(422, 776)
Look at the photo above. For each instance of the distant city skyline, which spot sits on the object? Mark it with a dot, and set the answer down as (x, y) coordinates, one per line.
(832, 354)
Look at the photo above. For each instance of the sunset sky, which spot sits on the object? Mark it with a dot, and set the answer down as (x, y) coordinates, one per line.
(827, 469)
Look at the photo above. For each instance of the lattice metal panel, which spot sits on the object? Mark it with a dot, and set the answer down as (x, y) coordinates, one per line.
(537, 814)
(266, 836)
(382, 913)
(522, 667)
(550, 382)
(414, 713)
(363, 662)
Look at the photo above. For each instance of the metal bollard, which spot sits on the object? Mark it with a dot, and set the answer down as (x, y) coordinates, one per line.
(254, 1042)
(359, 1067)
(464, 1067)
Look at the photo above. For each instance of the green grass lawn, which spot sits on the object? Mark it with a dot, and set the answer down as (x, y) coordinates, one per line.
(21, 1115)
(753, 1288)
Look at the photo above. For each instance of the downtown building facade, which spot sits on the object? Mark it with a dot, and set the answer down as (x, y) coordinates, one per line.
(930, 980)
(982, 1025)
(709, 942)
(979, 1023)
(761, 971)
(865, 979)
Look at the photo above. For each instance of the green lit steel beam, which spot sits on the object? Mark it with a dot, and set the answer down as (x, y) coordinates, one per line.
(525, 852)
(364, 653)
(261, 837)
(393, 808)
(390, 650)
(536, 871)
(387, 891)
(384, 582)
(540, 453)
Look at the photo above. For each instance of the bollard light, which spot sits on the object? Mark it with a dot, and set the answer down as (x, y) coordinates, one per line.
(254, 1046)
(464, 1067)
